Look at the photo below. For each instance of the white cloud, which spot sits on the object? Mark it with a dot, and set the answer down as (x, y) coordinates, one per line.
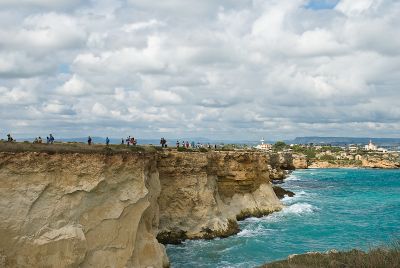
(205, 68)
(75, 86)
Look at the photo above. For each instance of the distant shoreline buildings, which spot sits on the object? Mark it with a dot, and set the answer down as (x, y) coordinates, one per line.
(264, 146)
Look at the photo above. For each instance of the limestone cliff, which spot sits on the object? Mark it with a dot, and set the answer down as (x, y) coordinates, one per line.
(106, 209)
(79, 210)
(203, 194)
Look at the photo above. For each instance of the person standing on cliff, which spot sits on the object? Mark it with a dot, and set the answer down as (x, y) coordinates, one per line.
(89, 141)
(177, 144)
(51, 138)
(9, 138)
(107, 141)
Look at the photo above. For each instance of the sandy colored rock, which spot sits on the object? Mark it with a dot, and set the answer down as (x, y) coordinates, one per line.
(203, 193)
(97, 209)
(300, 161)
(79, 210)
(372, 162)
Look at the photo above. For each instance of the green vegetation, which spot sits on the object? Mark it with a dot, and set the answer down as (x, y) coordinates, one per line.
(73, 147)
(310, 152)
(327, 157)
(388, 257)
(280, 146)
(333, 149)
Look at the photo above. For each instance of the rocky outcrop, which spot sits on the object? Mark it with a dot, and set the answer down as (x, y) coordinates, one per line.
(365, 163)
(203, 194)
(300, 161)
(79, 210)
(281, 193)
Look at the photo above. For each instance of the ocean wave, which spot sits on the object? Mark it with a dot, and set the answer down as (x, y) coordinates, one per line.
(299, 208)
(252, 230)
(287, 200)
(292, 178)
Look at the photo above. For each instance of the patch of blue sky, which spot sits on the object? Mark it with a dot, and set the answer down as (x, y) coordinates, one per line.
(322, 4)
(64, 68)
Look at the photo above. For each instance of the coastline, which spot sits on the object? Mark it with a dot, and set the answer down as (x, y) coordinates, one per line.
(364, 164)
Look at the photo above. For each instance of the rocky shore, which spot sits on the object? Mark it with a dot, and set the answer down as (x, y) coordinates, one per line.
(97, 209)
(365, 163)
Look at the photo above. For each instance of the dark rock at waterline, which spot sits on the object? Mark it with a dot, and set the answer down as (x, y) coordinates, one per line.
(173, 237)
(280, 192)
(277, 181)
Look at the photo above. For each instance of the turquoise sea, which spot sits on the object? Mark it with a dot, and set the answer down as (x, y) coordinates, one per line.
(333, 209)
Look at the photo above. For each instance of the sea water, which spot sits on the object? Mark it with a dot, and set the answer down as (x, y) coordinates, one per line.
(332, 209)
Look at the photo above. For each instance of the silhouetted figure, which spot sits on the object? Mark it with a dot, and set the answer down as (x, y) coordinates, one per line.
(9, 138)
(107, 141)
(89, 141)
(133, 141)
(163, 142)
(122, 141)
(51, 138)
(177, 144)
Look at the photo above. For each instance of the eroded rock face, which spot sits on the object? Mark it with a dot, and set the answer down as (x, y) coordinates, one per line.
(300, 161)
(203, 194)
(106, 210)
(79, 210)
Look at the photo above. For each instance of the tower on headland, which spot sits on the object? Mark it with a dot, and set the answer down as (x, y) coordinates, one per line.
(264, 146)
(371, 146)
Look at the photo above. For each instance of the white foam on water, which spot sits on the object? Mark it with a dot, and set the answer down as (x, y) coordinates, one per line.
(253, 230)
(298, 195)
(292, 178)
(299, 209)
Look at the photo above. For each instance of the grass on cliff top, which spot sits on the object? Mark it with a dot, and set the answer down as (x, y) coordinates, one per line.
(73, 147)
(388, 257)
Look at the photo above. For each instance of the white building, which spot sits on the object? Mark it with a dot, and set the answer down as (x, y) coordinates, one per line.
(371, 147)
(264, 146)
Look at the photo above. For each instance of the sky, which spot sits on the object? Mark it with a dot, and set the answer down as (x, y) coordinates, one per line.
(228, 69)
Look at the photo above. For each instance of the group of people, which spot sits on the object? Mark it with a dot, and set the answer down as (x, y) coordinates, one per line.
(129, 141)
(187, 145)
(163, 143)
(184, 144)
(49, 139)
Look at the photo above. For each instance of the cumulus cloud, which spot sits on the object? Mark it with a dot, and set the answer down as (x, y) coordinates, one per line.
(222, 69)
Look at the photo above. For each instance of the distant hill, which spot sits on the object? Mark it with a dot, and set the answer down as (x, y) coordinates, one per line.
(341, 141)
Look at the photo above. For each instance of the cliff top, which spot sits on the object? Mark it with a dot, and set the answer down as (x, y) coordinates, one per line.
(76, 147)
(73, 147)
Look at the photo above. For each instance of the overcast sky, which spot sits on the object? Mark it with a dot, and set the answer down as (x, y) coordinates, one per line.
(228, 69)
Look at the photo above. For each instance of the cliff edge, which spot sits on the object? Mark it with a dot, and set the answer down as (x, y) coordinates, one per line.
(204, 194)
